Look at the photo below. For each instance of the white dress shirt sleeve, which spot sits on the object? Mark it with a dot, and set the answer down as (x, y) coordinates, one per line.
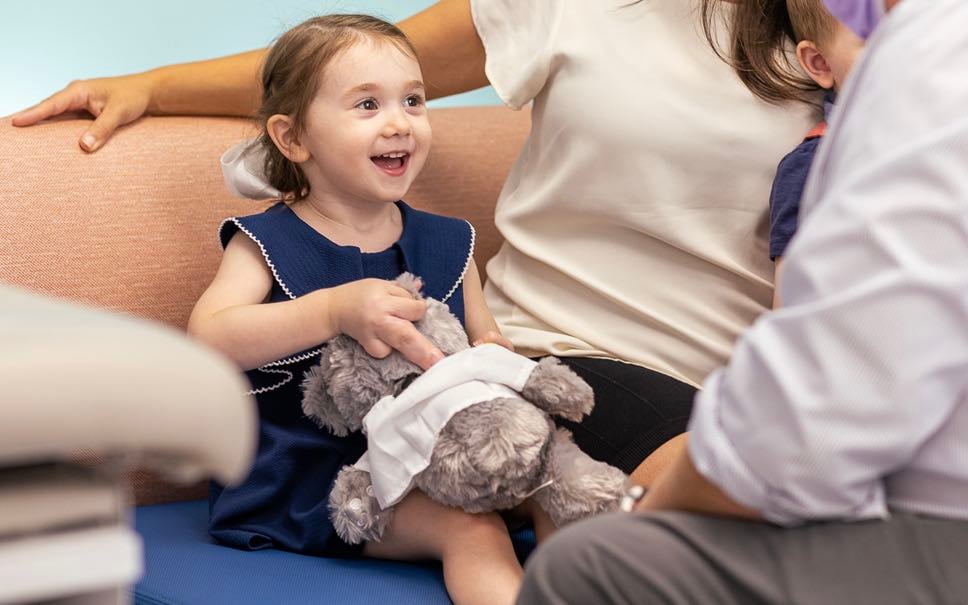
(824, 399)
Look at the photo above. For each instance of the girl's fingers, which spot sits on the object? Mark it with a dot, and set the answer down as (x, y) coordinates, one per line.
(408, 308)
(376, 348)
(403, 336)
(494, 338)
(404, 305)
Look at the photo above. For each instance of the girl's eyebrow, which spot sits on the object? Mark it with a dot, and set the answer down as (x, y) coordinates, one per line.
(370, 86)
(367, 87)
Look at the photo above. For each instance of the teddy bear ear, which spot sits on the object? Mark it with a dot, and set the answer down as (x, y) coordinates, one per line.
(410, 283)
(317, 404)
(442, 328)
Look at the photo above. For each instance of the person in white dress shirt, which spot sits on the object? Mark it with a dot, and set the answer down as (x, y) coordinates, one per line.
(828, 461)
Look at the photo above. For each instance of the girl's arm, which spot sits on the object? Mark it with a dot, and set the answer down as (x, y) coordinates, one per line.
(776, 281)
(451, 57)
(232, 315)
(481, 327)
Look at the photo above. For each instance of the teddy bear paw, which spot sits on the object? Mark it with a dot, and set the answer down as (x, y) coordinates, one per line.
(355, 511)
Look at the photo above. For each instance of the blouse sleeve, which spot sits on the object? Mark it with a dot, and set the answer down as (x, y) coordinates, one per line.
(518, 38)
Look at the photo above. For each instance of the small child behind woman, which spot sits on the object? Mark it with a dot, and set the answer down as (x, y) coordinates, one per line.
(826, 50)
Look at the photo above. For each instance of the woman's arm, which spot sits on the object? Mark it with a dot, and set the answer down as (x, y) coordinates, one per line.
(450, 51)
(232, 315)
(226, 86)
(451, 55)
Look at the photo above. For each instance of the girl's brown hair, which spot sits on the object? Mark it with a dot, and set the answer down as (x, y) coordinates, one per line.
(759, 39)
(292, 74)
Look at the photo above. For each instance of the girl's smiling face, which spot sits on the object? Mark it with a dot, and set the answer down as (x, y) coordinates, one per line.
(366, 131)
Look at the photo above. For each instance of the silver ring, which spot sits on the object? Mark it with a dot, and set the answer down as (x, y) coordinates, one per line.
(631, 497)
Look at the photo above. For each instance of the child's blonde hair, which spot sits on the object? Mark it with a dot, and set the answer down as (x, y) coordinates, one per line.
(292, 74)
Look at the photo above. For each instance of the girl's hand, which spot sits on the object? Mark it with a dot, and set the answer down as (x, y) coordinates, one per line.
(492, 336)
(380, 315)
(113, 102)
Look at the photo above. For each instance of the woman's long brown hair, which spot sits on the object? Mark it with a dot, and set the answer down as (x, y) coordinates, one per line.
(760, 39)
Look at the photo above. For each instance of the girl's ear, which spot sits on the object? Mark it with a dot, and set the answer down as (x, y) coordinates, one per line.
(815, 64)
(284, 135)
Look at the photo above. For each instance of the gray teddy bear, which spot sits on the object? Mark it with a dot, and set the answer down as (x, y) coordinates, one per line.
(490, 456)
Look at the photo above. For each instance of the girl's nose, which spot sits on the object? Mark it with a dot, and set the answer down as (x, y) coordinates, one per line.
(397, 124)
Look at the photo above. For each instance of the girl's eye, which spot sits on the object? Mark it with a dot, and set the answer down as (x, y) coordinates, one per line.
(368, 105)
(414, 101)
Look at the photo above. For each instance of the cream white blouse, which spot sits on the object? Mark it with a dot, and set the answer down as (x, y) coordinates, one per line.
(635, 218)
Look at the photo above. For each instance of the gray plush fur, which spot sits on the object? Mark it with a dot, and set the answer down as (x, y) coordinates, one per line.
(487, 457)
(554, 388)
(490, 456)
(582, 486)
(353, 508)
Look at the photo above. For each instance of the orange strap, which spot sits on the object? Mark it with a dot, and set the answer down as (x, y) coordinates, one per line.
(818, 131)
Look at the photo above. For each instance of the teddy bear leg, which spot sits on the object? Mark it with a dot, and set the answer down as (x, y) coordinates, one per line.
(556, 389)
(580, 485)
(354, 510)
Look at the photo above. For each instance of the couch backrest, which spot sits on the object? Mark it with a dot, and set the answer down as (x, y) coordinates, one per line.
(133, 227)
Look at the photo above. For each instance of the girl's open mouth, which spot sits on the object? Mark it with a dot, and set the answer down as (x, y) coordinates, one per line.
(394, 164)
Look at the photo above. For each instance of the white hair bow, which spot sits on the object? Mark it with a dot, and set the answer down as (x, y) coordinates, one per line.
(243, 170)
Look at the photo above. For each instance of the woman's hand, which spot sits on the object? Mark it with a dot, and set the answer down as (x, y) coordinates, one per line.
(380, 315)
(113, 102)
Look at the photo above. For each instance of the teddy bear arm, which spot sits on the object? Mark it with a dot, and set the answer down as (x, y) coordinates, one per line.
(579, 486)
(556, 389)
(354, 510)
(317, 403)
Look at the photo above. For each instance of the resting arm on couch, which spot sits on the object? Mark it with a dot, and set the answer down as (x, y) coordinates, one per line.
(451, 58)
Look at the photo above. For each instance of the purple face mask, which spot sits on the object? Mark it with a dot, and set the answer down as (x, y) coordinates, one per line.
(861, 16)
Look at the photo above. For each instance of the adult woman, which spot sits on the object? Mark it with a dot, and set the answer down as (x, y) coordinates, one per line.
(634, 219)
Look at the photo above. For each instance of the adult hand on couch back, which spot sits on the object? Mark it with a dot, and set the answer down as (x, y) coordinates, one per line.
(113, 102)
(227, 86)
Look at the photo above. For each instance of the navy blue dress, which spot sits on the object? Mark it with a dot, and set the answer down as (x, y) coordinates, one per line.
(789, 183)
(283, 502)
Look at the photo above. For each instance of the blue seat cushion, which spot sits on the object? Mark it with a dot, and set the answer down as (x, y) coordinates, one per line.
(184, 565)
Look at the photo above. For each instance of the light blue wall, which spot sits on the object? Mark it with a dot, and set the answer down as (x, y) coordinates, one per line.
(44, 44)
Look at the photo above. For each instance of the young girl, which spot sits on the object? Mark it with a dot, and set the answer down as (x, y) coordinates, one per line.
(345, 130)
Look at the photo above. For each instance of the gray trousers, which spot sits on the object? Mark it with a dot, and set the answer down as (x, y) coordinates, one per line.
(683, 558)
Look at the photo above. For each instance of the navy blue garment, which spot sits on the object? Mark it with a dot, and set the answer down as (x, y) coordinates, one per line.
(791, 178)
(283, 502)
(788, 185)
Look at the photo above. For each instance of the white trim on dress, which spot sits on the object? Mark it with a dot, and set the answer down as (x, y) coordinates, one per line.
(467, 263)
